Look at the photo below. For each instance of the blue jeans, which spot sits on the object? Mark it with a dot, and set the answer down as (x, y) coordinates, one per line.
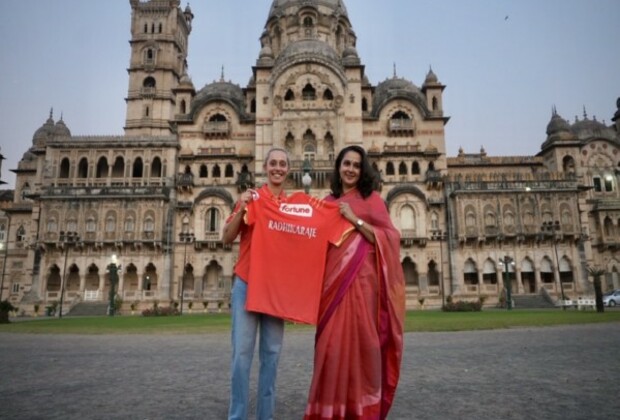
(244, 328)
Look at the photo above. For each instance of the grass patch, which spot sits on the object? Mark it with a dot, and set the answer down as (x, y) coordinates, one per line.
(416, 321)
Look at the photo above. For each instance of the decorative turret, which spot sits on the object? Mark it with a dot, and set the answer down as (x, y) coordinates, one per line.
(616, 117)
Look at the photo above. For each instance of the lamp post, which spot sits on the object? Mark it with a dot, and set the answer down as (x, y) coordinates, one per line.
(5, 247)
(113, 269)
(506, 262)
(186, 237)
(306, 179)
(440, 236)
(550, 229)
(67, 239)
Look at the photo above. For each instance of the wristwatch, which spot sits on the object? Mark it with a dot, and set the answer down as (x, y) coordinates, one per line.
(359, 223)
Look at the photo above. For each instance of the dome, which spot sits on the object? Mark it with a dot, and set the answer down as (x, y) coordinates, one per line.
(398, 88)
(44, 132)
(557, 124)
(307, 49)
(590, 128)
(431, 78)
(220, 91)
(61, 129)
(265, 52)
(278, 5)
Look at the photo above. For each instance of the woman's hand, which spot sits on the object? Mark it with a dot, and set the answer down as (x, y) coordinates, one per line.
(347, 213)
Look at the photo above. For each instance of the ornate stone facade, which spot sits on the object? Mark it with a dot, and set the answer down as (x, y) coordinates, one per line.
(158, 196)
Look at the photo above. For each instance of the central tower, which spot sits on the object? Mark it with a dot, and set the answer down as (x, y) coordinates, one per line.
(159, 44)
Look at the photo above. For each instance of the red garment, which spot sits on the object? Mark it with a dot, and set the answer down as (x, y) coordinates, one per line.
(242, 267)
(289, 244)
(359, 339)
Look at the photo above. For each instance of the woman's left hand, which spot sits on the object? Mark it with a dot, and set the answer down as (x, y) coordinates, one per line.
(347, 213)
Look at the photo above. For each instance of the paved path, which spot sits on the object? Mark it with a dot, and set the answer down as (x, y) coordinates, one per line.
(570, 372)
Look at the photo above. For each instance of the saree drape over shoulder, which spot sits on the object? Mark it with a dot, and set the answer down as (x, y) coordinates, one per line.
(359, 338)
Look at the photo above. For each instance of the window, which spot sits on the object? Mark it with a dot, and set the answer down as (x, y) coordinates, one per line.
(289, 96)
(328, 95)
(2, 232)
(110, 224)
(15, 288)
(149, 82)
(213, 220)
(91, 226)
(389, 168)
(64, 168)
(102, 167)
(20, 236)
(52, 225)
(138, 168)
(118, 170)
(72, 225)
(308, 93)
(216, 171)
(402, 169)
(204, 172)
(83, 168)
(156, 170)
(129, 224)
(149, 225)
(415, 168)
(609, 186)
(597, 184)
(228, 172)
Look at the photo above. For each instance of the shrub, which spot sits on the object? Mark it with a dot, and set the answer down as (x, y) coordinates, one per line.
(160, 311)
(462, 306)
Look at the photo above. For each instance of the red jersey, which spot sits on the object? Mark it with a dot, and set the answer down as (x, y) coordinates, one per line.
(289, 245)
(242, 267)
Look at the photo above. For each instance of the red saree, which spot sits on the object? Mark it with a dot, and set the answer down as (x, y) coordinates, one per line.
(359, 338)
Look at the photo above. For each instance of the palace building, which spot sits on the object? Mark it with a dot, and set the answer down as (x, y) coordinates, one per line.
(157, 196)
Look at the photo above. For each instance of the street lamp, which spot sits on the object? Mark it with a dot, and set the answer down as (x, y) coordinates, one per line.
(67, 239)
(113, 268)
(306, 179)
(5, 246)
(550, 229)
(186, 237)
(440, 236)
(506, 262)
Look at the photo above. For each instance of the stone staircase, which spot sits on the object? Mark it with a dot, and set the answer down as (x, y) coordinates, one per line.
(537, 301)
(89, 309)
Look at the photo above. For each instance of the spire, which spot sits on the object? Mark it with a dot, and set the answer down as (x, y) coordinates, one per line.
(585, 114)
(394, 70)
(222, 74)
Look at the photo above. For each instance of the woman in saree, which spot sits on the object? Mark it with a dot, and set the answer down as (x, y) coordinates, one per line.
(359, 337)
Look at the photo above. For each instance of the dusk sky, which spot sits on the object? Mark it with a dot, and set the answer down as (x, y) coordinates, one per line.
(506, 63)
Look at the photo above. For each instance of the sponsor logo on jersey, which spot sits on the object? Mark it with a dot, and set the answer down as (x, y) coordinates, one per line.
(301, 210)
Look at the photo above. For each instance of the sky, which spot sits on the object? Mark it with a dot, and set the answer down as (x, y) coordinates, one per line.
(505, 63)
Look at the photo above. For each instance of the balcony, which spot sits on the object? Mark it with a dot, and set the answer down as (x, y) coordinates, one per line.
(216, 129)
(401, 127)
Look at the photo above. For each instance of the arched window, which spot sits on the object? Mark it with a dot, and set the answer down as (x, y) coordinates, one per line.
(110, 224)
(415, 168)
(83, 168)
(3, 231)
(470, 273)
(389, 168)
(204, 172)
(402, 169)
(435, 103)
(149, 224)
(308, 93)
(229, 172)
(156, 169)
(129, 224)
(118, 170)
(102, 167)
(411, 272)
(489, 272)
(64, 168)
(308, 22)
(364, 105)
(137, 168)
(216, 173)
(91, 225)
(289, 96)
(52, 226)
(212, 221)
(183, 107)
(433, 274)
(20, 235)
(328, 95)
(149, 82)
(407, 219)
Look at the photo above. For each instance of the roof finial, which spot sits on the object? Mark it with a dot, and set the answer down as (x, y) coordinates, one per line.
(554, 111)
(52, 112)
(585, 114)
(222, 75)
(394, 70)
